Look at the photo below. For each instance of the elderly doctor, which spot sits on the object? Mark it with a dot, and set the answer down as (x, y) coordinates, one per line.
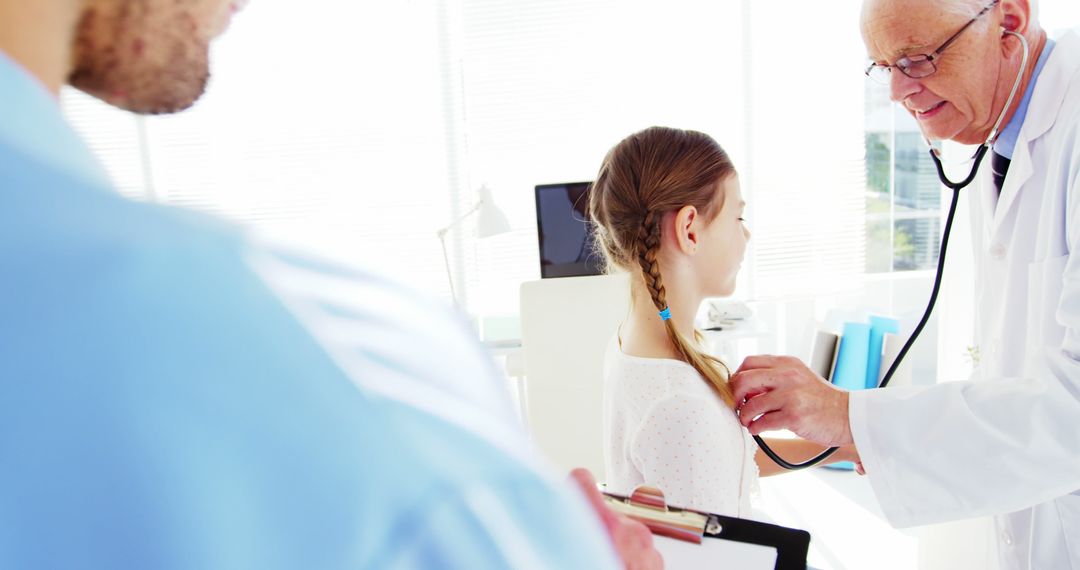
(1006, 443)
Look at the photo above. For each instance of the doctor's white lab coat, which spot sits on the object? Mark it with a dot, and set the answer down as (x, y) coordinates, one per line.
(1008, 442)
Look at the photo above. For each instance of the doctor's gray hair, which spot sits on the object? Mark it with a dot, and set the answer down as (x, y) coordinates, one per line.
(649, 174)
(962, 7)
(969, 8)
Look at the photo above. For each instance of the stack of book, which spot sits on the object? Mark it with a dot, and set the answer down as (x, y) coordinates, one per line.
(859, 357)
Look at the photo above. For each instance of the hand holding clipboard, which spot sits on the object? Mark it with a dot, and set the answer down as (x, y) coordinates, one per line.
(632, 540)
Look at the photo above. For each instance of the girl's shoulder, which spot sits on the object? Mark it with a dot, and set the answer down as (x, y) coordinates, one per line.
(659, 376)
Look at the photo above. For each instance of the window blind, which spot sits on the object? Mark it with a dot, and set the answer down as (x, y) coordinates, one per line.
(551, 85)
(325, 124)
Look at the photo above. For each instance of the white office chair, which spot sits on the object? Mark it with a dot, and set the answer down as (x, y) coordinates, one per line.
(566, 324)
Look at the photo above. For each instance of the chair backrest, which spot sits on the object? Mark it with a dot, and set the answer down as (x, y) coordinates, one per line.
(566, 324)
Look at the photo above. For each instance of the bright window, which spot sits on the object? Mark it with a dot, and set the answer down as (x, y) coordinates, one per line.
(551, 86)
(362, 128)
(325, 124)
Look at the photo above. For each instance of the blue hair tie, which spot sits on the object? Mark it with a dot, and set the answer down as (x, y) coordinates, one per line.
(665, 314)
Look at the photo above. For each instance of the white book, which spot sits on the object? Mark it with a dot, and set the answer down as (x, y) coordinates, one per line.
(823, 353)
(891, 344)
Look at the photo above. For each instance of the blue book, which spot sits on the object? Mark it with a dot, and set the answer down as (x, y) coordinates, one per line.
(878, 327)
(851, 366)
(851, 359)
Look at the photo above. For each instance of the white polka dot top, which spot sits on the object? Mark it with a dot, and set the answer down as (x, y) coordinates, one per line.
(664, 426)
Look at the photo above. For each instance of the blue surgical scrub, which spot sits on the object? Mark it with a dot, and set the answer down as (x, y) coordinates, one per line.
(175, 395)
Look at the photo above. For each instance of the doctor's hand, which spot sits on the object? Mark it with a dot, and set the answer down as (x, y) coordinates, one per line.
(632, 540)
(780, 392)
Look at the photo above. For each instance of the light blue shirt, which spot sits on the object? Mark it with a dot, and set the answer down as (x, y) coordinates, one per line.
(173, 396)
(1005, 144)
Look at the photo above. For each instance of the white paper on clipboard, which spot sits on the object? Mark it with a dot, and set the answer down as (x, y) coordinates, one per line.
(714, 553)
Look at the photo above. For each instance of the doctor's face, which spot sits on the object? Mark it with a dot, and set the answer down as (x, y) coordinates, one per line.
(961, 100)
(147, 56)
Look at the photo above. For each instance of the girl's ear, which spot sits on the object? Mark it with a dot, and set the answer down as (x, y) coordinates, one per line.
(686, 229)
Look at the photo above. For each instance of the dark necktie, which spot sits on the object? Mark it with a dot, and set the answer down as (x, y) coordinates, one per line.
(1000, 165)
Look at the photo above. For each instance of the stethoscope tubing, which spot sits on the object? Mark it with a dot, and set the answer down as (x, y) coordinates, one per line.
(918, 328)
(955, 187)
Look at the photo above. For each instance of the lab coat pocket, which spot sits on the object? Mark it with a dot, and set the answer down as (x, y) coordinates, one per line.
(1045, 326)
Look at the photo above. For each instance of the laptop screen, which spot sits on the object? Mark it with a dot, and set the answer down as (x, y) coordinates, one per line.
(567, 244)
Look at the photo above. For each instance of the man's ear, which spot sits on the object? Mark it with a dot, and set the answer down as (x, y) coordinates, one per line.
(687, 222)
(1016, 16)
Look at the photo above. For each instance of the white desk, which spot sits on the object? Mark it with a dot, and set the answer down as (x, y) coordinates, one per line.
(737, 342)
(509, 358)
(848, 530)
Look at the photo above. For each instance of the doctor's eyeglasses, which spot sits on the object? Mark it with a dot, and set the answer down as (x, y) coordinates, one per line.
(920, 65)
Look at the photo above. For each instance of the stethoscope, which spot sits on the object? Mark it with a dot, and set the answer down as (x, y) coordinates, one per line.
(935, 154)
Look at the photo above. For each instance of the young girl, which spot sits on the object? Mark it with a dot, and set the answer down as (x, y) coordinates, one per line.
(669, 212)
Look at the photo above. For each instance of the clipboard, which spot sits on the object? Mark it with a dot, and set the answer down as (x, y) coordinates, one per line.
(686, 536)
